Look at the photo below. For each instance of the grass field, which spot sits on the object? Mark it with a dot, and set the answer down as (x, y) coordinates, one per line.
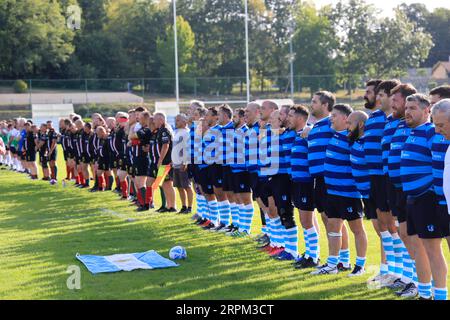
(42, 227)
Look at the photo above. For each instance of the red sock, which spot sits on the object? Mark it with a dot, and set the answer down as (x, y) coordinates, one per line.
(148, 196)
(101, 182)
(77, 180)
(124, 187)
(80, 174)
(140, 200)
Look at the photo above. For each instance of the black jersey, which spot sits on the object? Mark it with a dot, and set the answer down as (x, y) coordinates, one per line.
(30, 142)
(120, 143)
(112, 144)
(144, 136)
(102, 149)
(52, 137)
(163, 137)
(43, 139)
(85, 146)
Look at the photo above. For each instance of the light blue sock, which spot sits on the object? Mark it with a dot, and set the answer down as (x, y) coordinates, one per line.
(398, 254)
(407, 272)
(277, 232)
(313, 243)
(383, 269)
(234, 214)
(424, 290)
(306, 237)
(361, 261)
(213, 211)
(332, 261)
(388, 246)
(291, 241)
(245, 218)
(440, 293)
(225, 212)
(344, 257)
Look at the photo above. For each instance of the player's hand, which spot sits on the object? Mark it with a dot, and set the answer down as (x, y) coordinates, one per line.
(306, 132)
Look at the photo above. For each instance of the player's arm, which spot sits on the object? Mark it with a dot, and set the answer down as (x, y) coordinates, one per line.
(165, 140)
(52, 147)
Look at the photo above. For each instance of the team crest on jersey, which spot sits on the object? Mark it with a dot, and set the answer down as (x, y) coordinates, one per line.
(304, 200)
(242, 186)
(219, 181)
(349, 209)
(284, 197)
(430, 228)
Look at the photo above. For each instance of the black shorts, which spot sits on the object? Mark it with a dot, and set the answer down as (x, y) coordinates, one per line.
(241, 182)
(400, 206)
(338, 207)
(66, 155)
(392, 198)
(152, 171)
(303, 195)
(122, 164)
(227, 176)
(320, 194)
(254, 184)
(204, 181)
(86, 159)
(279, 187)
(103, 164)
(215, 175)
(141, 166)
(77, 159)
(370, 210)
(426, 218)
(43, 160)
(379, 192)
(30, 156)
(113, 162)
(53, 156)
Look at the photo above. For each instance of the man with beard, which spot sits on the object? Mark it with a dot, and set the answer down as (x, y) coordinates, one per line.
(374, 129)
(241, 177)
(398, 202)
(426, 224)
(343, 198)
(360, 173)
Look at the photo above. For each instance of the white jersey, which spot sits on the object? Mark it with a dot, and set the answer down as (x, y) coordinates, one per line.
(180, 149)
(447, 178)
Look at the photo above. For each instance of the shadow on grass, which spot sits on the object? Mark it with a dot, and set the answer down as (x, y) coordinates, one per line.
(53, 224)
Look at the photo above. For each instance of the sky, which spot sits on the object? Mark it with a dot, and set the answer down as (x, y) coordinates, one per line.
(387, 5)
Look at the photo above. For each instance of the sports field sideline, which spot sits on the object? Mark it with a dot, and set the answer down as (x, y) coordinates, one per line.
(42, 227)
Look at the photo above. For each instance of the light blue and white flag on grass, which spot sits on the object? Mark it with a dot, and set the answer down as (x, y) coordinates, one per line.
(125, 262)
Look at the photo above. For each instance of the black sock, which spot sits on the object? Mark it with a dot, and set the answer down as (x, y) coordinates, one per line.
(163, 197)
(143, 192)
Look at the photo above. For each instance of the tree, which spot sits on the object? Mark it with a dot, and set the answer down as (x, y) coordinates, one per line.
(137, 24)
(33, 37)
(315, 44)
(165, 49)
(402, 44)
(373, 46)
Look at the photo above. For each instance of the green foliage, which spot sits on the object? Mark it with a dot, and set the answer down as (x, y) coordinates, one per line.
(165, 49)
(33, 37)
(134, 39)
(20, 86)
